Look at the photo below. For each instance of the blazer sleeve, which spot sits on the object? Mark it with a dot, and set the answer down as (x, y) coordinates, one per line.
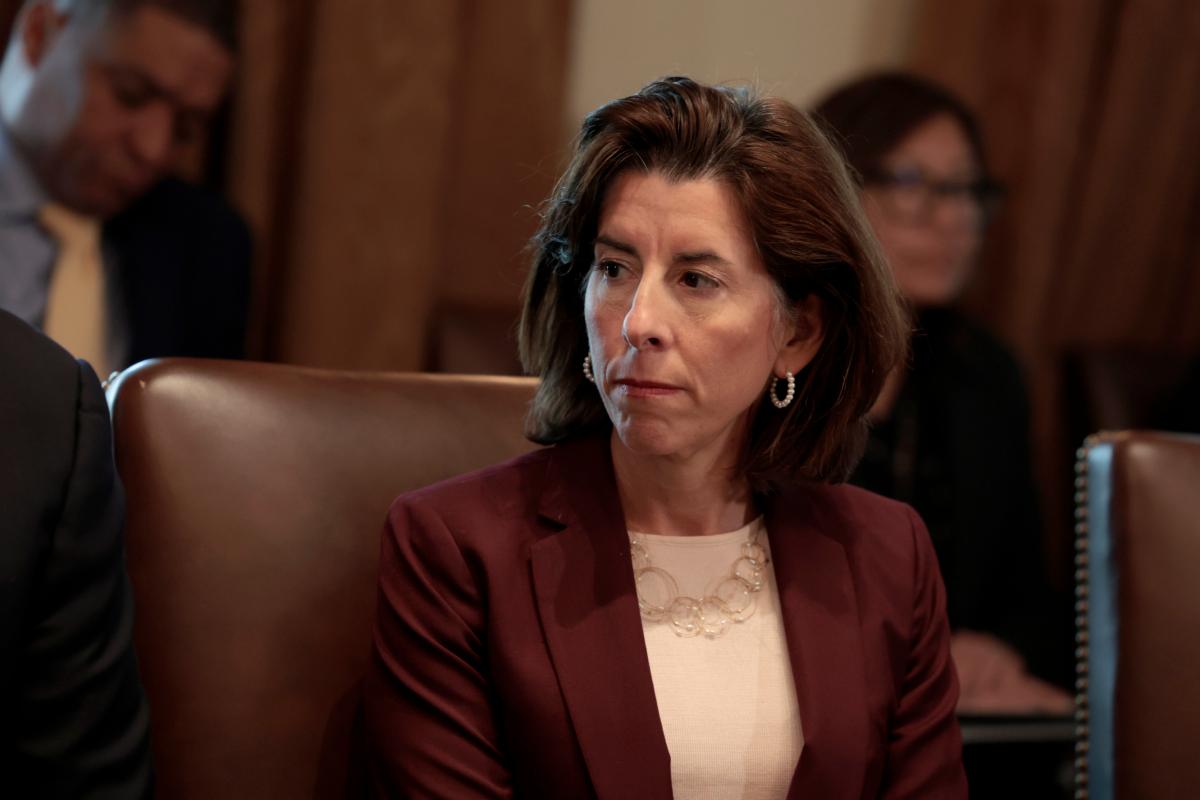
(83, 721)
(428, 706)
(925, 748)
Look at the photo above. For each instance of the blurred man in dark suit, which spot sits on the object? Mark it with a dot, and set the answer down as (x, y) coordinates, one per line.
(98, 246)
(73, 716)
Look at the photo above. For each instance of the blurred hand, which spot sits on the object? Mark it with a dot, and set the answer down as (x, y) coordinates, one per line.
(993, 680)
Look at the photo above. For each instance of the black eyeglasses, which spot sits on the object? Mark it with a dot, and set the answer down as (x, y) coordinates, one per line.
(911, 195)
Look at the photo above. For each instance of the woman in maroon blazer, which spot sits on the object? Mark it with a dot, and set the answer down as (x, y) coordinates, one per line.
(676, 599)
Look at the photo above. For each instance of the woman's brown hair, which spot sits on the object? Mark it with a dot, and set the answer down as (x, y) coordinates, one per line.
(803, 212)
(869, 117)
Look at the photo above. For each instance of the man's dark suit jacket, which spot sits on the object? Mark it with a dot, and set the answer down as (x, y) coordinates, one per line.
(510, 661)
(183, 258)
(73, 716)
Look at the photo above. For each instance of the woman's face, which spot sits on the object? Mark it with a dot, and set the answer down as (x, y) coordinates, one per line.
(925, 213)
(684, 328)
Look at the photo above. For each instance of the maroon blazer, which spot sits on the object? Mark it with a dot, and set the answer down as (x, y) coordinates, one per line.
(509, 657)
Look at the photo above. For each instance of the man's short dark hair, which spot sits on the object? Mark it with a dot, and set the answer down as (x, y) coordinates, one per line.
(217, 17)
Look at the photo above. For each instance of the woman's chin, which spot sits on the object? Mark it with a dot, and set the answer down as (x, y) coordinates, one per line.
(935, 289)
(648, 438)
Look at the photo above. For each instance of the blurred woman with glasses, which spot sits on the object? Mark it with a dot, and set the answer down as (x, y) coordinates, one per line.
(950, 433)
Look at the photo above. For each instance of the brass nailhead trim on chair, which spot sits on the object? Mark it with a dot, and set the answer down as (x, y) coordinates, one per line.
(1082, 739)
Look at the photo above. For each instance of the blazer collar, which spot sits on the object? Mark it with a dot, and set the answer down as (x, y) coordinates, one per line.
(587, 602)
(821, 622)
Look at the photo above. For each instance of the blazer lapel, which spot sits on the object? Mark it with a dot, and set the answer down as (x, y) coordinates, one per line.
(820, 612)
(587, 602)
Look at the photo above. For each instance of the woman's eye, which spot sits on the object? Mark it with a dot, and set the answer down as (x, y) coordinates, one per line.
(698, 280)
(610, 269)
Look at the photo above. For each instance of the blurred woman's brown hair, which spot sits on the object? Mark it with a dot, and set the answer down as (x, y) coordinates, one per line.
(870, 116)
(803, 213)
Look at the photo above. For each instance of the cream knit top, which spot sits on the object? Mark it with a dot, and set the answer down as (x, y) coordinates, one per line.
(727, 705)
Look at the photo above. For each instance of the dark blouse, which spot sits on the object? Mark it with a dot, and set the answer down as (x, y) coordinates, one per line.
(956, 448)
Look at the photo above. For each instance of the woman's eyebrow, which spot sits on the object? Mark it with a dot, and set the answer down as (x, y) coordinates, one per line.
(699, 256)
(686, 257)
(616, 244)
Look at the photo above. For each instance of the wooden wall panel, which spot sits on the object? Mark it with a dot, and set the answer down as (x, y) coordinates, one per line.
(389, 156)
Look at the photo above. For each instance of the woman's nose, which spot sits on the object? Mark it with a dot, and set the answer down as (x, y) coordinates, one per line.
(645, 326)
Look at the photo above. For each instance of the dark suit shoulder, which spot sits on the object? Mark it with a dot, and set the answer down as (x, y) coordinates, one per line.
(183, 258)
(40, 391)
(43, 393)
(39, 395)
(180, 205)
(185, 219)
(33, 367)
(77, 724)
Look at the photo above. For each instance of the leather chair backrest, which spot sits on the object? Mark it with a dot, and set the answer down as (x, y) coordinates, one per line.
(1138, 603)
(256, 496)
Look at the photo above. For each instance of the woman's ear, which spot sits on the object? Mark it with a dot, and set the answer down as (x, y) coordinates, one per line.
(40, 23)
(806, 332)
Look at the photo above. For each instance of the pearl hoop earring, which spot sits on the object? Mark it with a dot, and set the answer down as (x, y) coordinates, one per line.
(587, 368)
(791, 391)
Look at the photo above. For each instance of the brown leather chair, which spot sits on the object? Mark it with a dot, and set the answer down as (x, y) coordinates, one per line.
(1138, 604)
(256, 496)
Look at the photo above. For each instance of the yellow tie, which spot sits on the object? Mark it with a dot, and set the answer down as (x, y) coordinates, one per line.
(75, 307)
